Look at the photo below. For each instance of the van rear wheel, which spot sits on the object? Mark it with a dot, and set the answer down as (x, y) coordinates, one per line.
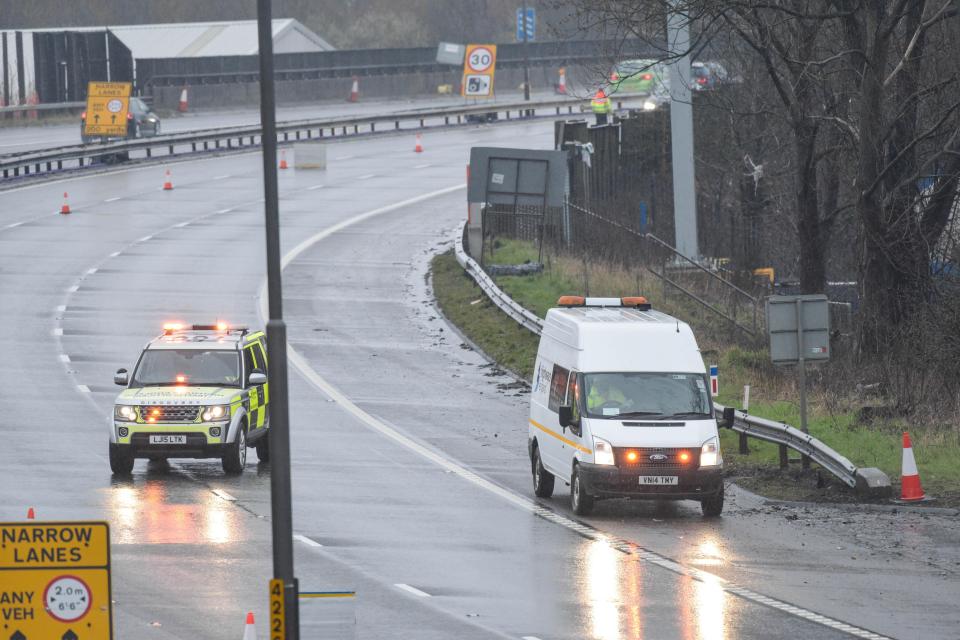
(543, 480)
(580, 500)
(713, 506)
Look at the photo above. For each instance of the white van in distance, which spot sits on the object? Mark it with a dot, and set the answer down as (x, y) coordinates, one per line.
(621, 407)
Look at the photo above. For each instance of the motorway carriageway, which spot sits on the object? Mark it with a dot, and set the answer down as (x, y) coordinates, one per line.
(411, 482)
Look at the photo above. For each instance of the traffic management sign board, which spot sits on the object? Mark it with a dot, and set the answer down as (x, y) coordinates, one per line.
(107, 106)
(55, 580)
(479, 66)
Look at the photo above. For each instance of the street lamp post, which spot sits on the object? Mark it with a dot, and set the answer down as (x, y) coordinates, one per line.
(526, 58)
(279, 434)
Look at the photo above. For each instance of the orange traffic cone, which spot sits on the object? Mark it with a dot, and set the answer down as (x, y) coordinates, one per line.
(167, 182)
(183, 101)
(283, 159)
(419, 147)
(65, 207)
(910, 489)
(354, 90)
(31, 515)
(562, 84)
(249, 629)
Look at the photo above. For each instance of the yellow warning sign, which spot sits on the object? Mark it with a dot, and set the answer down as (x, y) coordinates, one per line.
(55, 580)
(107, 106)
(278, 611)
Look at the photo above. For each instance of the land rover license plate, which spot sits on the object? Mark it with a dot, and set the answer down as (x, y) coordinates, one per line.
(168, 439)
(658, 480)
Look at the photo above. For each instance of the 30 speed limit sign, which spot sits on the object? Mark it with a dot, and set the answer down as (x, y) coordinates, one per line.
(479, 66)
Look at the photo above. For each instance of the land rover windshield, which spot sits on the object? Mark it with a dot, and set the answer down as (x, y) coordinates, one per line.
(193, 367)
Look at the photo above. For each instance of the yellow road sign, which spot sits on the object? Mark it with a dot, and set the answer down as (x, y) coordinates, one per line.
(278, 611)
(55, 580)
(107, 106)
(479, 67)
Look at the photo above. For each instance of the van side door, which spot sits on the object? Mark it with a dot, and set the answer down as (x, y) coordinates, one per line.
(575, 440)
(551, 433)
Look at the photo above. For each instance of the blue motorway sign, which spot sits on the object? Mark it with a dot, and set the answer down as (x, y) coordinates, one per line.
(531, 24)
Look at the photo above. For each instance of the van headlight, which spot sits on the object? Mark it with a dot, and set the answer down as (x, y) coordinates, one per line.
(216, 412)
(125, 412)
(602, 451)
(710, 453)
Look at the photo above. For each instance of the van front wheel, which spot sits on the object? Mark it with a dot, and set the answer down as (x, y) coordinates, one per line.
(543, 480)
(713, 506)
(580, 500)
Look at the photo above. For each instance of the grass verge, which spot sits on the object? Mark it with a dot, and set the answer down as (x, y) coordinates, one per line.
(832, 419)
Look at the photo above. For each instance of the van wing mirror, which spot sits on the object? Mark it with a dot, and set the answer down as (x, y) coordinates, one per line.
(566, 416)
(258, 377)
(729, 416)
(121, 378)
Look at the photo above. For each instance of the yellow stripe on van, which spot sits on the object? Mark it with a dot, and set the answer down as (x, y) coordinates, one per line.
(560, 437)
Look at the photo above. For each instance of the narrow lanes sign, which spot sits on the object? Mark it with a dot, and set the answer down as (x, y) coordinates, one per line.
(55, 581)
(107, 106)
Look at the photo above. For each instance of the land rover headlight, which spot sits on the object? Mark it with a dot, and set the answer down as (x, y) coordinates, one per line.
(602, 451)
(125, 412)
(215, 413)
(710, 453)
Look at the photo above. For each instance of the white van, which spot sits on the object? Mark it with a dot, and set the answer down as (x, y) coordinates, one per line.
(621, 407)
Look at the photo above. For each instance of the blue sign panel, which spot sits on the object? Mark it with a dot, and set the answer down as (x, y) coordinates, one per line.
(531, 24)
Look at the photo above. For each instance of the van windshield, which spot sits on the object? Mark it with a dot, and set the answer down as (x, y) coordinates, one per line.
(651, 396)
(195, 367)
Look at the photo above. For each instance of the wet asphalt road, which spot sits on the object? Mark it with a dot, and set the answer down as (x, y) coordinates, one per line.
(412, 487)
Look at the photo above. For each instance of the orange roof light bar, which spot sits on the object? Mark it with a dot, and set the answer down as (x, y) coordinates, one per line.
(571, 301)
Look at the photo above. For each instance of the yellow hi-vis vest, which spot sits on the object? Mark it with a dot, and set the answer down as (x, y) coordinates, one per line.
(601, 103)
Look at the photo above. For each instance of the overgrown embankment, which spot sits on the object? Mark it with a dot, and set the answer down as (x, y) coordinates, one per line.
(836, 418)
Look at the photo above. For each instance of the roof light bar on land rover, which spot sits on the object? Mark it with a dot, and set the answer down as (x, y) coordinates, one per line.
(638, 302)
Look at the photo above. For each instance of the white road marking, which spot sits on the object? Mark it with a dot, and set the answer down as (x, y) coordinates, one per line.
(413, 590)
(227, 210)
(58, 331)
(73, 289)
(145, 238)
(181, 225)
(90, 272)
(424, 166)
(307, 541)
(315, 187)
(220, 493)
(14, 225)
(367, 176)
(344, 157)
(83, 388)
(224, 177)
(61, 308)
(114, 199)
(529, 638)
(64, 357)
(300, 363)
(114, 254)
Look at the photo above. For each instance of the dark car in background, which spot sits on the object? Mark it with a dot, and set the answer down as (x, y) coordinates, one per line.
(141, 123)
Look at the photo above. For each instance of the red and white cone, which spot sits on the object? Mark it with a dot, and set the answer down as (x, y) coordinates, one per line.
(354, 90)
(249, 629)
(910, 489)
(419, 147)
(167, 181)
(65, 207)
(182, 107)
(562, 84)
(283, 159)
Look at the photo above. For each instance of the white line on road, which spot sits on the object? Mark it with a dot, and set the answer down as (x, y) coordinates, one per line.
(344, 157)
(14, 225)
(227, 210)
(315, 187)
(90, 272)
(64, 357)
(83, 388)
(73, 289)
(367, 176)
(145, 238)
(114, 199)
(114, 254)
(61, 308)
(424, 166)
(223, 177)
(413, 590)
(300, 363)
(58, 331)
(529, 638)
(220, 493)
(307, 541)
(181, 225)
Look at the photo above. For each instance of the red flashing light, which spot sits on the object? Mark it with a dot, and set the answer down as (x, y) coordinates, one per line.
(647, 76)
(701, 81)
(129, 116)
(83, 116)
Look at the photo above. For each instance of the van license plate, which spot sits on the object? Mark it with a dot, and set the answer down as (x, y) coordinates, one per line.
(658, 480)
(168, 439)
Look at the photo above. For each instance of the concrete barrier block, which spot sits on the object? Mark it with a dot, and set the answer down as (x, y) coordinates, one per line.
(873, 483)
(309, 155)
